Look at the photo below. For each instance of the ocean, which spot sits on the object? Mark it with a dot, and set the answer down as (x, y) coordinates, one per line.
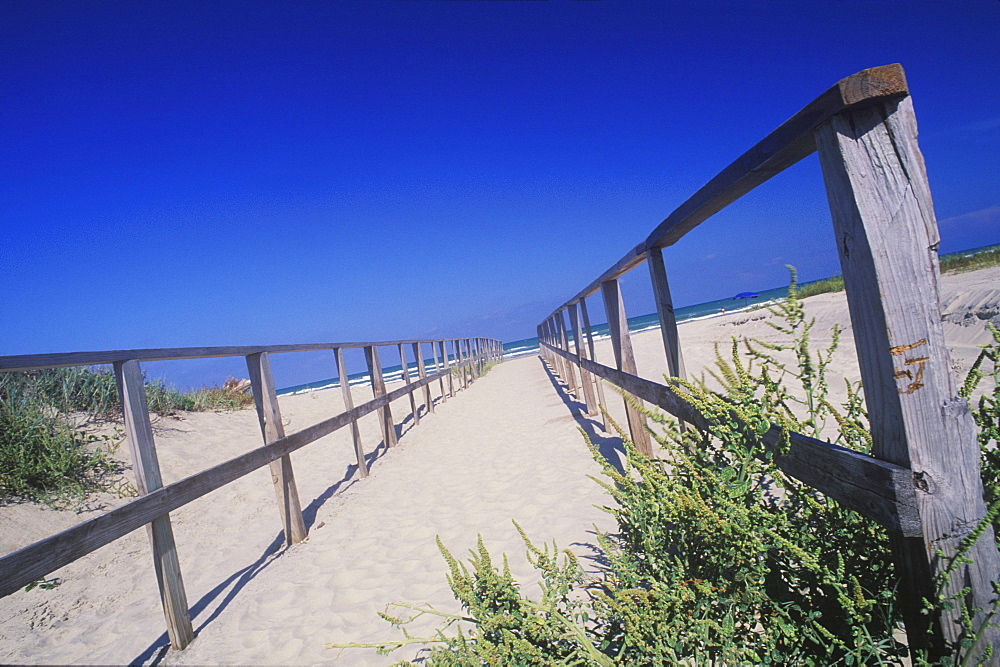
(527, 346)
(520, 348)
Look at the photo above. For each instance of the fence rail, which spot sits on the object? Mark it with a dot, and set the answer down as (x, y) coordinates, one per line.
(156, 501)
(922, 480)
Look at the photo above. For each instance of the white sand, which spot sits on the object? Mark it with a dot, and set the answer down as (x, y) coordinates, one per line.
(509, 447)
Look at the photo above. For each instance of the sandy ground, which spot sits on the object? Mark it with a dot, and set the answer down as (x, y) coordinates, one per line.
(507, 448)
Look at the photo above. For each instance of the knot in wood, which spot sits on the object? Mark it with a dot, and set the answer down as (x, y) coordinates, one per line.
(923, 482)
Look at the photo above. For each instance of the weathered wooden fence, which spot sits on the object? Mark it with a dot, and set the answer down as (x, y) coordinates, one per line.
(466, 359)
(922, 482)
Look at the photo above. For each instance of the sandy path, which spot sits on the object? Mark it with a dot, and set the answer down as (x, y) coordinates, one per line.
(508, 448)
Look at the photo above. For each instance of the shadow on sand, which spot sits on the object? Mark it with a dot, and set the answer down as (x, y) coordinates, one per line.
(227, 590)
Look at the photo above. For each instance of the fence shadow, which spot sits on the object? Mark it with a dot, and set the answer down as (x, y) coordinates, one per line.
(610, 447)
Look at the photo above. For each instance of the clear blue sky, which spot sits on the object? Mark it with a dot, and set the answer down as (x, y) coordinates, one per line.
(220, 173)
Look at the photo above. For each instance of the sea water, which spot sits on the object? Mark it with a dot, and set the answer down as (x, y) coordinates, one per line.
(520, 348)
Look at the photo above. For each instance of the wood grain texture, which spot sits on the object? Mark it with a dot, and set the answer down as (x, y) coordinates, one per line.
(378, 390)
(37, 560)
(789, 143)
(345, 391)
(132, 394)
(887, 240)
(878, 490)
(621, 343)
(282, 477)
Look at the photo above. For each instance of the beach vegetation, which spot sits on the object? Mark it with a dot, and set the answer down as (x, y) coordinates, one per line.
(956, 262)
(49, 451)
(719, 557)
(959, 262)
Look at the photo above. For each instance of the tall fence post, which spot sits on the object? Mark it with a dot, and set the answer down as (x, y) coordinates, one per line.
(266, 401)
(564, 345)
(887, 239)
(588, 332)
(406, 378)
(621, 342)
(422, 372)
(132, 393)
(447, 366)
(345, 390)
(586, 381)
(378, 390)
(665, 312)
(460, 357)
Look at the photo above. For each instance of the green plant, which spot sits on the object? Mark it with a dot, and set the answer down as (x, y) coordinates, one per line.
(719, 557)
(958, 262)
(43, 458)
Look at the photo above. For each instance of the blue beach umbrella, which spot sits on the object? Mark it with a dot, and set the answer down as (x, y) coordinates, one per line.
(746, 295)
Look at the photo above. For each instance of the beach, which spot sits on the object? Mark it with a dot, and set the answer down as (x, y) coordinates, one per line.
(507, 449)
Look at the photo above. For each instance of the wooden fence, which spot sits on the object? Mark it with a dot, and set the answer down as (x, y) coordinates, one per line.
(922, 482)
(464, 363)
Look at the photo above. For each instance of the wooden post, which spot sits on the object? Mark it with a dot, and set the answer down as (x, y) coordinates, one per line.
(887, 239)
(406, 378)
(470, 346)
(564, 345)
(590, 347)
(586, 380)
(557, 361)
(132, 393)
(447, 366)
(378, 389)
(345, 390)
(422, 372)
(665, 311)
(271, 428)
(460, 356)
(621, 342)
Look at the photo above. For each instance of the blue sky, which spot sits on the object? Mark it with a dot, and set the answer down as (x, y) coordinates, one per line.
(225, 173)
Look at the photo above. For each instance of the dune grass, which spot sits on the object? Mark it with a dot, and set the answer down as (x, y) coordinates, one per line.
(955, 262)
(47, 454)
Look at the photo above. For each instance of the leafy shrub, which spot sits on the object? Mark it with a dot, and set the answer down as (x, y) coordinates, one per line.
(719, 557)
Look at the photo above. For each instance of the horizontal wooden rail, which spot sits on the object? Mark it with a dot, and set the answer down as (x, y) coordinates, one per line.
(878, 490)
(791, 142)
(28, 564)
(26, 362)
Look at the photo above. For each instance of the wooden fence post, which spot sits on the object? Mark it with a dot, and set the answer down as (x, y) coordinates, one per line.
(266, 401)
(132, 393)
(586, 380)
(665, 311)
(446, 366)
(621, 342)
(422, 372)
(601, 401)
(378, 390)
(460, 356)
(564, 346)
(887, 239)
(345, 390)
(406, 378)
